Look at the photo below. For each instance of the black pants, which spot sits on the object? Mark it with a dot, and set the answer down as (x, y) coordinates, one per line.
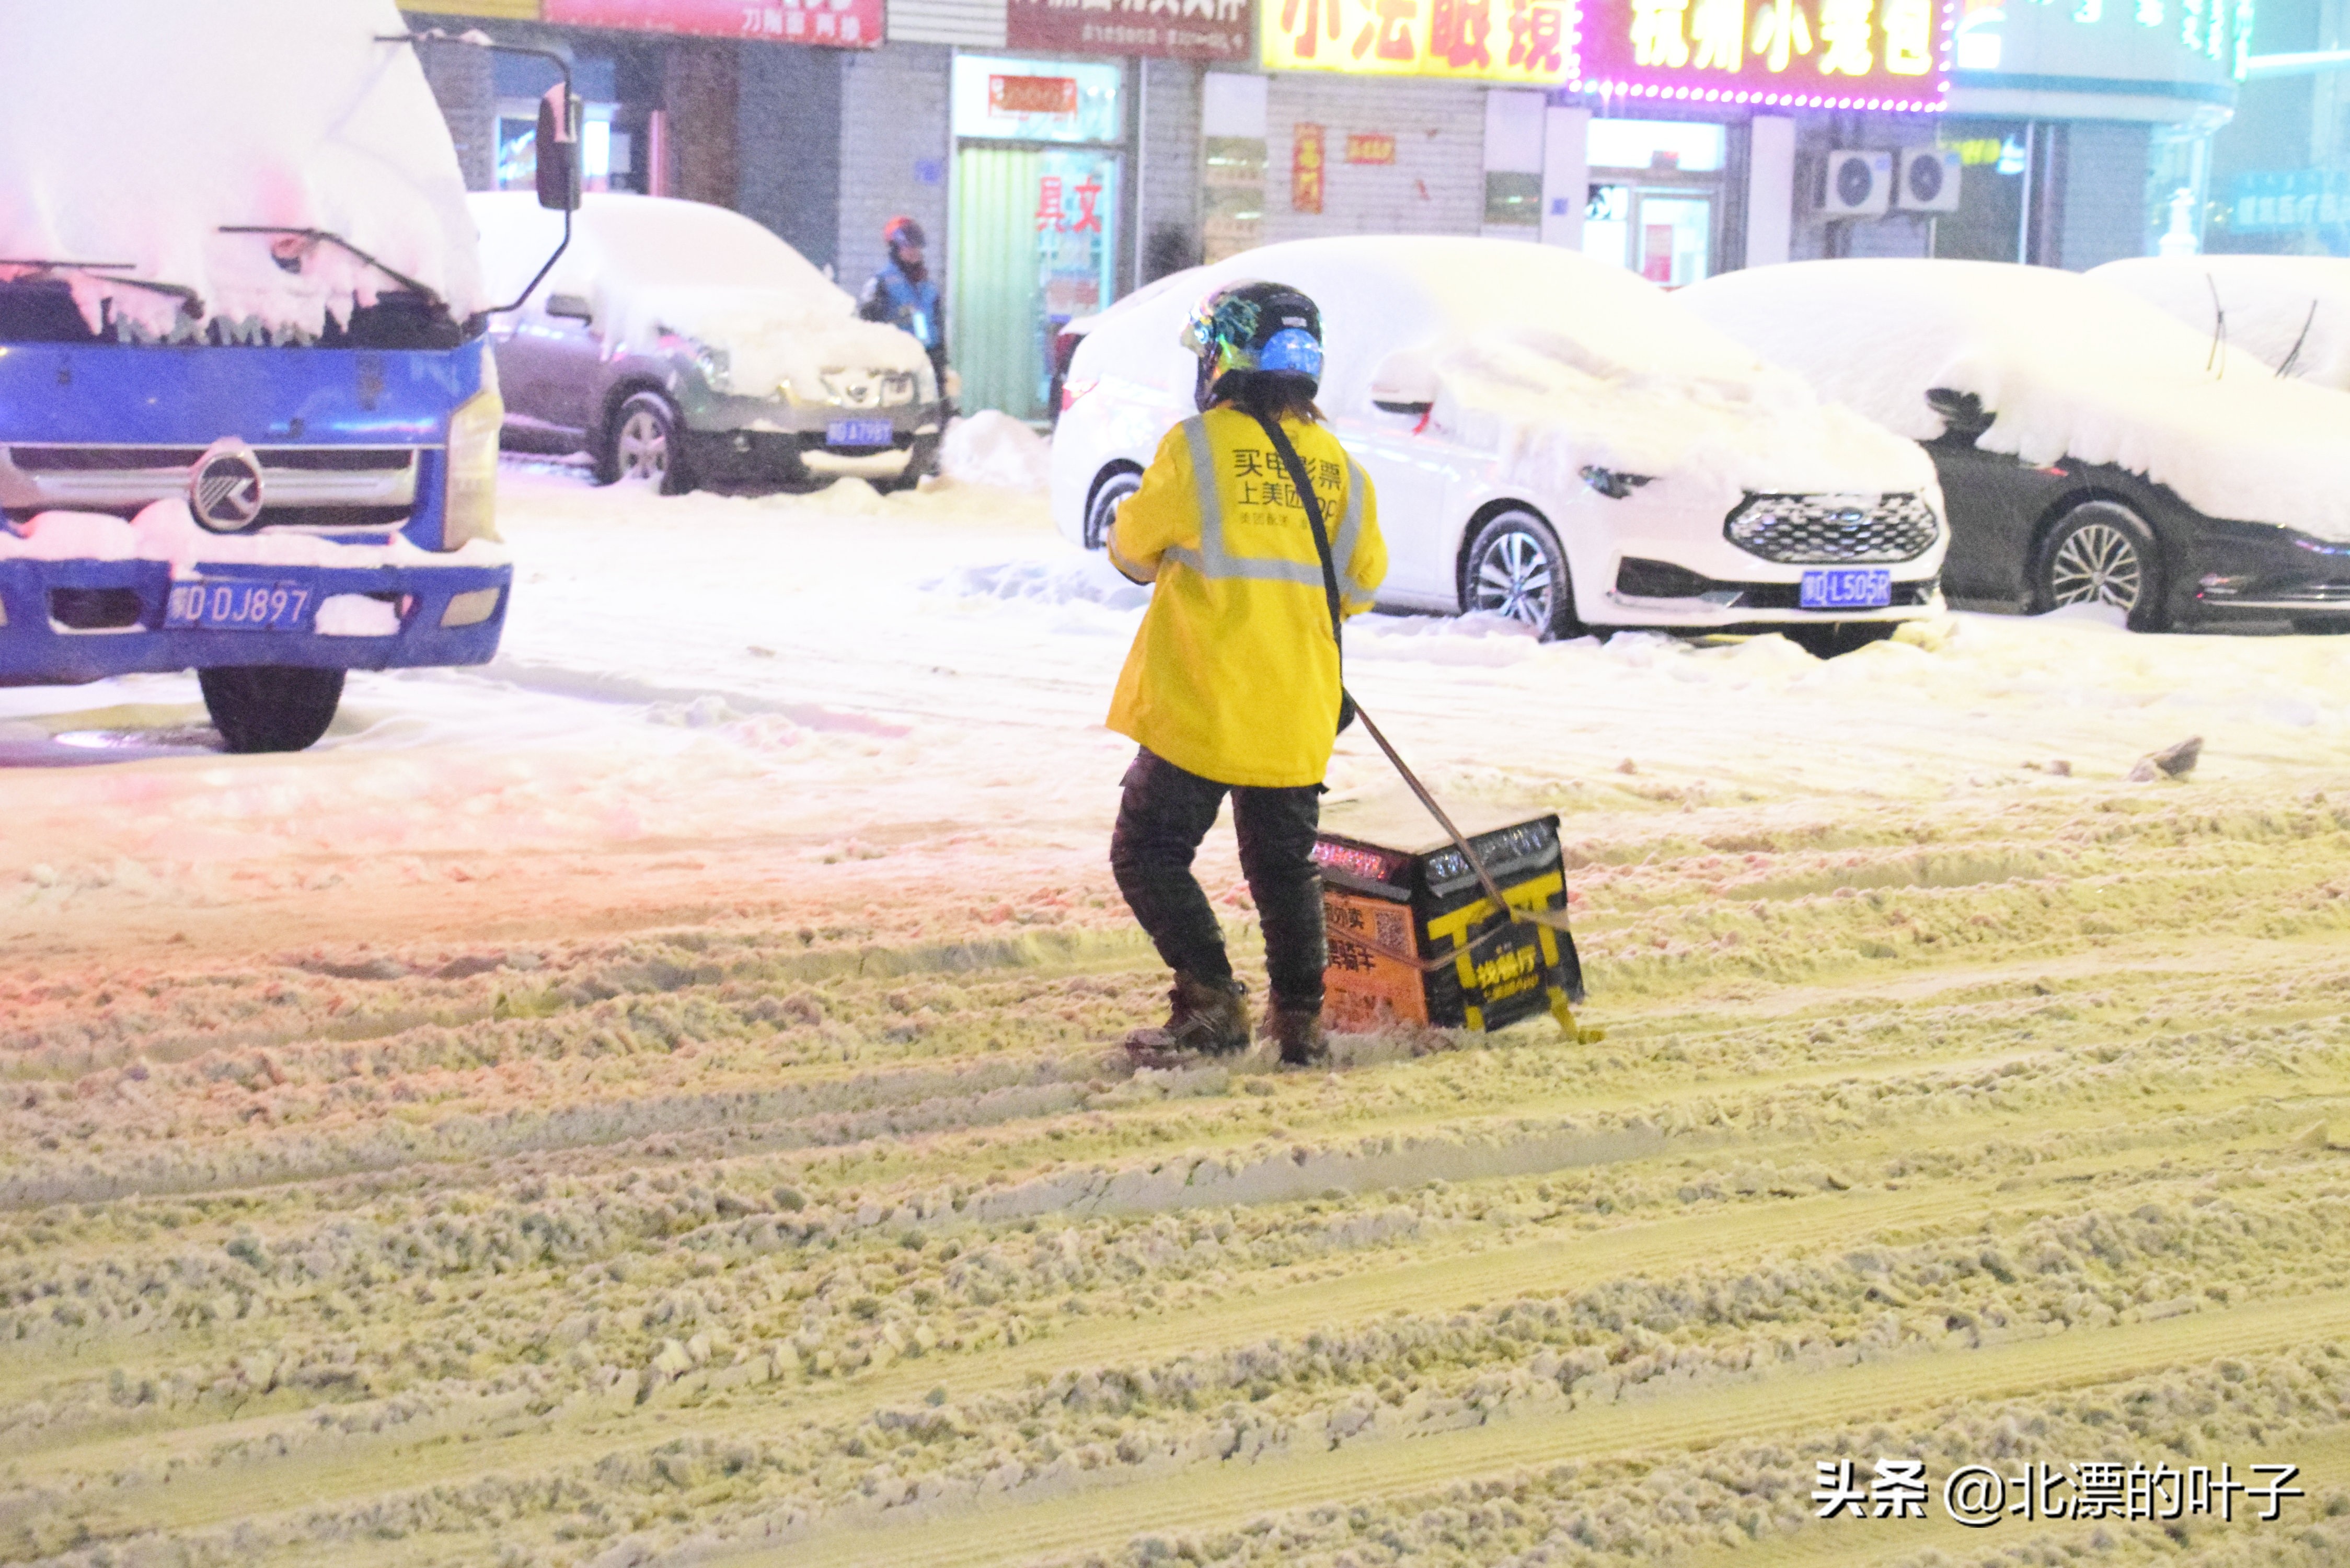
(1165, 815)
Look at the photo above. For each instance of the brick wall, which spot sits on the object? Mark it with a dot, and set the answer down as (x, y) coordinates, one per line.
(465, 83)
(2102, 210)
(1436, 185)
(894, 147)
(788, 119)
(1170, 204)
(699, 90)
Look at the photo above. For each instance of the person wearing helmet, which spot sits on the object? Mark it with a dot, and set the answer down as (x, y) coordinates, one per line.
(903, 295)
(1232, 685)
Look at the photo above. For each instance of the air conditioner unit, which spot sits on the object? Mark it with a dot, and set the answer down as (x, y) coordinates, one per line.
(1929, 180)
(1858, 185)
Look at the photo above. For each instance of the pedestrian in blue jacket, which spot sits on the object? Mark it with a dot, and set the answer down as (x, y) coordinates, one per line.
(904, 295)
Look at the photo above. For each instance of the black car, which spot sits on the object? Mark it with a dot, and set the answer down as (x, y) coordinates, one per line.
(2109, 397)
(2036, 537)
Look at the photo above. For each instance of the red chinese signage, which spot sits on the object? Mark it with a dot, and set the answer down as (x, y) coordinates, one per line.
(1306, 169)
(1797, 54)
(1054, 95)
(1167, 29)
(1365, 147)
(1063, 208)
(834, 24)
(1530, 42)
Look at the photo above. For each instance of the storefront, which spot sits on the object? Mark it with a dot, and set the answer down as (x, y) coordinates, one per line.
(1039, 166)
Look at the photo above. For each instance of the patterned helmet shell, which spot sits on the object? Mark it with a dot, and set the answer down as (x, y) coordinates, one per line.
(1267, 329)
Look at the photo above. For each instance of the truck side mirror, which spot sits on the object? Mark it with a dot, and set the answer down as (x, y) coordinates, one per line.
(1405, 383)
(558, 150)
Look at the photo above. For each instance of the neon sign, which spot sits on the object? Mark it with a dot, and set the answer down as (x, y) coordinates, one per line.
(1793, 54)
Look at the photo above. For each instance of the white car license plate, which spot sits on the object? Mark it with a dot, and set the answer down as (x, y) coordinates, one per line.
(859, 432)
(236, 606)
(1848, 587)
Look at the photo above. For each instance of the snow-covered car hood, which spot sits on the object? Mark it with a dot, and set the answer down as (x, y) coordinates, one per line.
(136, 129)
(2071, 367)
(1550, 360)
(764, 338)
(2274, 305)
(1549, 406)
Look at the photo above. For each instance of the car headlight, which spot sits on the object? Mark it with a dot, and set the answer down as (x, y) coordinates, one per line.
(469, 498)
(715, 365)
(926, 383)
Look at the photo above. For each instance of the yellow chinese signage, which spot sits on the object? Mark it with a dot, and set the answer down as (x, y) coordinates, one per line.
(1527, 42)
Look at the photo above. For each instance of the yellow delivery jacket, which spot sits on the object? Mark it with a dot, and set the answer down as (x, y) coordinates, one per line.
(1234, 674)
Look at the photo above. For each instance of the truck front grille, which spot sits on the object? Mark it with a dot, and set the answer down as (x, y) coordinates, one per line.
(307, 486)
(1822, 530)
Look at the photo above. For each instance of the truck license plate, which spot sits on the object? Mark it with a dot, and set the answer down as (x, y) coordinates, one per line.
(236, 606)
(1850, 587)
(859, 432)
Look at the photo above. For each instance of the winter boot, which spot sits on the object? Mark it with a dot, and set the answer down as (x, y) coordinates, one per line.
(1205, 1018)
(1299, 1034)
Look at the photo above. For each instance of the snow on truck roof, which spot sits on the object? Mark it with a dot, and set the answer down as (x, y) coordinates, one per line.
(1552, 361)
(2274, 305)
(136, 130)
(2071, 367)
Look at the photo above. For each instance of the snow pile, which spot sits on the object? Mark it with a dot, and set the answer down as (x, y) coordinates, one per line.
(2072, 368)
(2273, 305)
(166, 531)
(137, 130)
(652, 268)
(1089, 579)
(990, 447)
(1550, 360)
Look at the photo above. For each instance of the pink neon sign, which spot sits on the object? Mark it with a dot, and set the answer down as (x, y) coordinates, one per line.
(1791, 54)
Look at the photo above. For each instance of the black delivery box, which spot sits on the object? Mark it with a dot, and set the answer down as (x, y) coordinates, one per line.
(1413, 937)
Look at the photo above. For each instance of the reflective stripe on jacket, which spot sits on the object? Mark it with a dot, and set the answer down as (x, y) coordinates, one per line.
(1235, 673)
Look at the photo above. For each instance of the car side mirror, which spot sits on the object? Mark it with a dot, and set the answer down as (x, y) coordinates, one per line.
(1405, 383)
(1962, 412)
(559, 150)
(572, 306)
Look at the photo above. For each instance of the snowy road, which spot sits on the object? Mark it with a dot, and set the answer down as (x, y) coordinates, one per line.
(649, 1101)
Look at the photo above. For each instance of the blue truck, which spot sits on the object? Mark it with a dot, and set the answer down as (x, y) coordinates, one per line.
(270, 505)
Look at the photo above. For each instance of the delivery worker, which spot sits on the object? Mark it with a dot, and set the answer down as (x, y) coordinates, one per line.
(1232, 685)
(905, 296)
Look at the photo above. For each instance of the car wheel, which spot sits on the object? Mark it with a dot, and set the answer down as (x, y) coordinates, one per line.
(1836, 636)
(645, 448)
(268, 707)
(1101, 512)
(2101, 553)
(1515, 569)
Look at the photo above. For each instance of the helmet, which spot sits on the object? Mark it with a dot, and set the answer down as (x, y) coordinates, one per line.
(902, 231)
(1254, 329)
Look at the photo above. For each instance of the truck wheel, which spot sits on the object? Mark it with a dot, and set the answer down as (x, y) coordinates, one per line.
(1515, 569)
(270, 707)
(644, 447)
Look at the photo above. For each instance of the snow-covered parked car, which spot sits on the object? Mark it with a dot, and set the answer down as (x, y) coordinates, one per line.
(2092, 449)
(1552, 439)
(679, 344)
(2290, 313)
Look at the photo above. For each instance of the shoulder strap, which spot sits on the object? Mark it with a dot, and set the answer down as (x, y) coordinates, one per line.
(1312, 504)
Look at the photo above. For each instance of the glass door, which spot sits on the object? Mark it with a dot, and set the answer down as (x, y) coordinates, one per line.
(1035, 245)
(1664, 232)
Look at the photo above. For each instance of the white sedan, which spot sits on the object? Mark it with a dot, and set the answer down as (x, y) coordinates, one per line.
(1552, 439)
